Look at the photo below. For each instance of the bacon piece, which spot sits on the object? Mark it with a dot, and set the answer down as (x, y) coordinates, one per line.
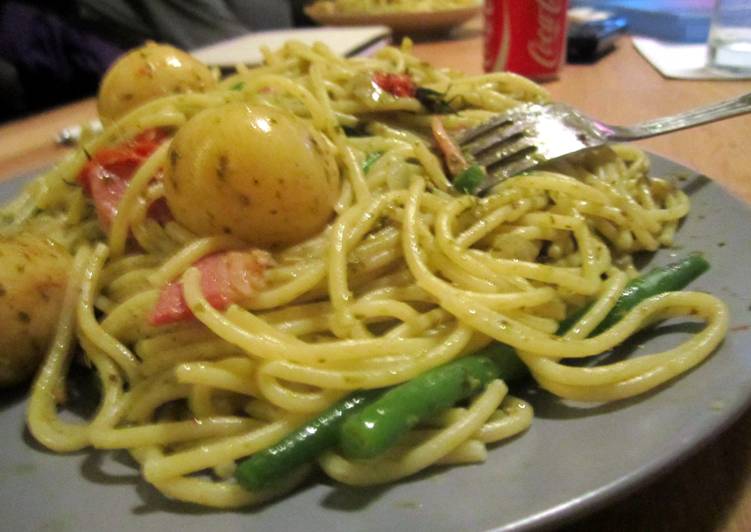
(105, 177)
(455, 160)
(226, 278)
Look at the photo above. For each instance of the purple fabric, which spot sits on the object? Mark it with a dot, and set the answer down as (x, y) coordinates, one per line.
(56, 61)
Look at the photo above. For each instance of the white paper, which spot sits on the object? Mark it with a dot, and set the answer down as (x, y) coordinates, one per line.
(246, 49)
(681, 61)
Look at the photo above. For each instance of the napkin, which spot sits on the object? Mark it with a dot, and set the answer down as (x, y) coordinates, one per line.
(681, 61)
(246, 49)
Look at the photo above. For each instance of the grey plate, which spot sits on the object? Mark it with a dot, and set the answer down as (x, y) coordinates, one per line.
(572, 459)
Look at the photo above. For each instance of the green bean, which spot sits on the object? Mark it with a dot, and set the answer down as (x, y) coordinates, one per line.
(300, 447)
(370, 161)
(674, 276)
(669, 278)
(368, 422)
(378, 426)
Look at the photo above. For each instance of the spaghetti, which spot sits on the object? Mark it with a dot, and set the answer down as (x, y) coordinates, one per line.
(408, 275)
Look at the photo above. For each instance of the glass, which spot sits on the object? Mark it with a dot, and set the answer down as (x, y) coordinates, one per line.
(730, 35)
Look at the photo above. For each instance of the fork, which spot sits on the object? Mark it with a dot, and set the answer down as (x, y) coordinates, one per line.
(531, 134)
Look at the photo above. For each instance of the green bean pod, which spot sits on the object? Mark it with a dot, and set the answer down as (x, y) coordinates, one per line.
(379, 425)
(367, 423)
(670, 278)
(300, 447)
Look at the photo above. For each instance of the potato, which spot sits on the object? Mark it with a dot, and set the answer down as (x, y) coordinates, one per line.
(33, 277)
(147, 73)
(255, 172)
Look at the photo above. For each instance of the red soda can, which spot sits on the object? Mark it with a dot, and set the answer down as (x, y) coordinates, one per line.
(525, 36)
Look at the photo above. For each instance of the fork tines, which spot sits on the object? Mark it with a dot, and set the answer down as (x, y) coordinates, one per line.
(502, 144)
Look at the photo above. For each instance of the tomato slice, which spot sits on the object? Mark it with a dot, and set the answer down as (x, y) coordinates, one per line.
(226, 278)
(399, 85)
(106, 175)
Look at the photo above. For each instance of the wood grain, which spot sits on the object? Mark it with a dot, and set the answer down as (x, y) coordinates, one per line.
(709, 491)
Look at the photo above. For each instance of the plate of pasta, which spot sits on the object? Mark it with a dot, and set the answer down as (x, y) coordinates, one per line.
(403, 17)
(266, 300)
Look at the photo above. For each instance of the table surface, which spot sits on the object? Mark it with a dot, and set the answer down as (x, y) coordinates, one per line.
(710, 490)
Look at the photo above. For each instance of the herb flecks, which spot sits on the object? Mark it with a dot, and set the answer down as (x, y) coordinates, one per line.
(433, 101)
(370, 161)
(469, 179)
(222, 167)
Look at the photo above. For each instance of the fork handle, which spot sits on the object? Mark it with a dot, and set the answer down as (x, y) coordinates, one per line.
(701, 115)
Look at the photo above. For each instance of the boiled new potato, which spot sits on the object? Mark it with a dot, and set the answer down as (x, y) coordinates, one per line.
(255, 172)
(147, 73)
(33, 277)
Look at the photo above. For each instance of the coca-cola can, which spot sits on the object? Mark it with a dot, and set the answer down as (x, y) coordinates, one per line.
(525, 36)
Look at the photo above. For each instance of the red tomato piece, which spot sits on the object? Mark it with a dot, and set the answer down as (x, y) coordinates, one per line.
(105, 177)
(399, 85)
(146, 142)
(226, 278)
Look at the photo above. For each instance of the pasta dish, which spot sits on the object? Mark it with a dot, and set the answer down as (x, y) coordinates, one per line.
(391, 6)
(289, 262)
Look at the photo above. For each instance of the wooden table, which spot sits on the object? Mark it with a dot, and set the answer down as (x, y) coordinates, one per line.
(712, 489)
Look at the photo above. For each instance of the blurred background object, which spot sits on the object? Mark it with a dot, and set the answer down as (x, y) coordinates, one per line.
(46, 58)
(186, 25)
(527, 38)
(392, 6)
(416, 19)
(53, 52)
(592, 33)
(670, 20)
(730, 36)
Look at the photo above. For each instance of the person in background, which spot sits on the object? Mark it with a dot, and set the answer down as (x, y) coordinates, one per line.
(53, 52)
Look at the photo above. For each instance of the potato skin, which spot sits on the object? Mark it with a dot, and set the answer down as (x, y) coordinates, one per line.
(33, 277)
(150, 72)
(255, 172)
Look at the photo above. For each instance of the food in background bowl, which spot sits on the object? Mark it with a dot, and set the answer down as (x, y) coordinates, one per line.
(391, 6)
(404, 18)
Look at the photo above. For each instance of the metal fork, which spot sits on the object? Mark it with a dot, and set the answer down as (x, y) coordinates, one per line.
(532, 134)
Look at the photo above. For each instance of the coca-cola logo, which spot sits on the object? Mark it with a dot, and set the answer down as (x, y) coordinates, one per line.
(550, 24)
